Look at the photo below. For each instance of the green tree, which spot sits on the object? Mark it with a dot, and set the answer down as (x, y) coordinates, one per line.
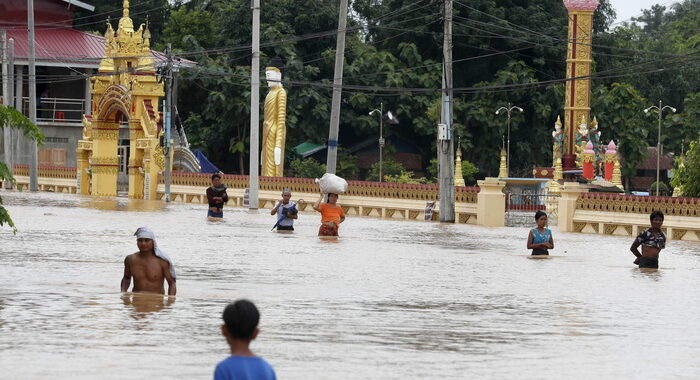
(686, 176)
(618, 108)
(307, 168)
(389, 168)
(12, 118)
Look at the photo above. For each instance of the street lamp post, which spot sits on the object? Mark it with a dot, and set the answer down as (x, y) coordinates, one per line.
(381, 138)
(509, 109)
(660, 108)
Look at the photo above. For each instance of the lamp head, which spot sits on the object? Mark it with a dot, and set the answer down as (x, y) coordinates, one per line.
(519, 109)
(647, 110)
(673, 109)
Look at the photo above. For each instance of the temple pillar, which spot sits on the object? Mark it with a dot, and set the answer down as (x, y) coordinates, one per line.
(610, 157)
(577, 104)
(104, 163)
(82, 174)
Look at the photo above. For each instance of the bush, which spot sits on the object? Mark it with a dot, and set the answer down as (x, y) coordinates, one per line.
(663, 189)
(405, 177)
(307, 168)
(391, 168)
(347, 166)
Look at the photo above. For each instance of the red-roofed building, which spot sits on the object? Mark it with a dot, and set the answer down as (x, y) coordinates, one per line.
(646, 171)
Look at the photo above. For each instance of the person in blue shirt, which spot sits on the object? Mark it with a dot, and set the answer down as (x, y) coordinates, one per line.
(540, 238)
(286, 212)
(240, 328)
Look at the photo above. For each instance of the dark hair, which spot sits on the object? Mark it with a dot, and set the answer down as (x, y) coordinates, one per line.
(656, 214)
(329, 194)
(241, 319)
(215, 175)
(539, 214)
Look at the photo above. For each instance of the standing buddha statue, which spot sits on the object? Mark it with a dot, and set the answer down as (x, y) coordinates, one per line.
(274, 124)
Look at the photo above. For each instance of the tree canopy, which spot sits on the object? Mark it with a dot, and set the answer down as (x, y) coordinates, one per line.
(505, 51)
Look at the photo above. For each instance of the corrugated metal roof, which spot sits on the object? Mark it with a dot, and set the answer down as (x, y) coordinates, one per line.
(60, 46)
(66, 47)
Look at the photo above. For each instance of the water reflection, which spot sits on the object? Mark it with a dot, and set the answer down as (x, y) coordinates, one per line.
(143, 304)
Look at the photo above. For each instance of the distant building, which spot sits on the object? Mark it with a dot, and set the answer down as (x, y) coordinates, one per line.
(646, 171)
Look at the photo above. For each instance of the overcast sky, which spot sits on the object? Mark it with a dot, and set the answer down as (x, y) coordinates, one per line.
(632, 8)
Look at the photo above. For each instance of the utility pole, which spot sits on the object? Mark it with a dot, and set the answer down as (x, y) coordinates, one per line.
(33, 168)
(9, 102)
(168, 119)
(332, 156)
(255, 111)
(445, 145)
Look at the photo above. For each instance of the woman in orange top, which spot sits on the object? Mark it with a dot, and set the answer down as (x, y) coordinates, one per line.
(331, 215)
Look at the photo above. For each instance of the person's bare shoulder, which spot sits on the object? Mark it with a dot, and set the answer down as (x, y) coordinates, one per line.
(129, 258)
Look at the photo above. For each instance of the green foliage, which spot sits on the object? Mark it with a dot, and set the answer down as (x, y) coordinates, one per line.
(346, 167)
(469, 172)
(405, 177)
(389, 168)
(618, 109)
(307, 168)
(663, 189)
(688, 172)
(12, 118)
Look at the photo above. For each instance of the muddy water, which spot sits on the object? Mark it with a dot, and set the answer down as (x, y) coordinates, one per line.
(389, 300)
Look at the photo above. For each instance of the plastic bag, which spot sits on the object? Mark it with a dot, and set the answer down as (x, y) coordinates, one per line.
(331, 183)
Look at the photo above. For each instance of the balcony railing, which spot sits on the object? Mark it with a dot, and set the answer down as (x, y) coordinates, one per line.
(57, 110)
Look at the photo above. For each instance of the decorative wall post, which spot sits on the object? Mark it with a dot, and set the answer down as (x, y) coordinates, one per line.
(610, 158)
(570, 192)
(578, 64)
(459, 178)
(588, 161)
(503, 168)
(557, 176)
(617, 174)
(491, 203)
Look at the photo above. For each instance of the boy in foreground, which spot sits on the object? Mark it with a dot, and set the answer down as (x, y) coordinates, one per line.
(240, 328)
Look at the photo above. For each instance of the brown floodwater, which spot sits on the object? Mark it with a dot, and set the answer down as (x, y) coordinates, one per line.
(389, 300)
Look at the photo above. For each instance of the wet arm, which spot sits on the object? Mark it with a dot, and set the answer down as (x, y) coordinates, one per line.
(551, 242)
(172, 287)
(317, 205)
(126, 280)
(224, 198)
(635, 248)
(274, 209)
(529, 242)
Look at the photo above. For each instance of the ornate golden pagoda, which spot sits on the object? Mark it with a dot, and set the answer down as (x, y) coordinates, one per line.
(125, 90)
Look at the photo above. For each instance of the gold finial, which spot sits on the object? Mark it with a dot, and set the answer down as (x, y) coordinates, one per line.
(617, 175)
(594, 123)
(459, 178)
(558, 122)
(583, 119)
(125, 6)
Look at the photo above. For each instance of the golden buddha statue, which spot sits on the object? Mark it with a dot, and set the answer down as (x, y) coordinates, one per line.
(274, 124)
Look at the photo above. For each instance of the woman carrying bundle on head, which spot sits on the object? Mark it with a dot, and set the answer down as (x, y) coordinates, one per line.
(540, 238)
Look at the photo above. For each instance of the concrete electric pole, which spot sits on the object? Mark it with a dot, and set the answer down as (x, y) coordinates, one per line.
(255, 111)
(33, 164)
(332, 156)
(445, 145)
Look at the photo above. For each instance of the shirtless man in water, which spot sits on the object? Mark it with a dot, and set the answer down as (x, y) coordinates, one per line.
(148, 269)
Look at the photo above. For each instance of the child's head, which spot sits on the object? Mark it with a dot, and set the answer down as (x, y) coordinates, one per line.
(541, 218)
(656, 218)
(241, 321)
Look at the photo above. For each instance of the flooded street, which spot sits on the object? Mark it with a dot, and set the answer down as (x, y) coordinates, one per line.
(389, 300)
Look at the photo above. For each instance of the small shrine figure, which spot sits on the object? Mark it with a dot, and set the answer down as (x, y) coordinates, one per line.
(594, 137)
(581, 140)
(558, 140)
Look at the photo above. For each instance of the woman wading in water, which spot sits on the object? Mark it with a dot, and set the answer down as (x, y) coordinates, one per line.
(540, 239)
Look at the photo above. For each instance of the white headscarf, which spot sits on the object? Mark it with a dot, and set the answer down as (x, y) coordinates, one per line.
(147, 233)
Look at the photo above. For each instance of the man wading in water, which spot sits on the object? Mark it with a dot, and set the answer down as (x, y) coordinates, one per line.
(149, 266)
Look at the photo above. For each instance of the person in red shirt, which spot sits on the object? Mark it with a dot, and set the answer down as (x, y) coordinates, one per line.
(331, 215)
